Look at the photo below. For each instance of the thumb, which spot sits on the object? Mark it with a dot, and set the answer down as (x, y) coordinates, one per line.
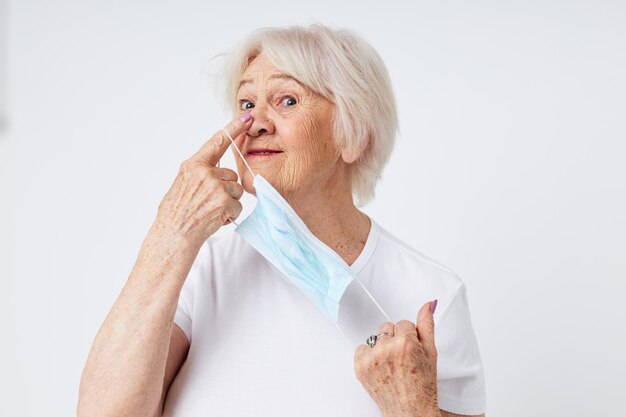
(211, 152)
(425, 327)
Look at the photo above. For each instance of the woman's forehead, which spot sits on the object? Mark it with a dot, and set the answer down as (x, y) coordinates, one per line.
(261, 70)
(267, 78)
(260, 64)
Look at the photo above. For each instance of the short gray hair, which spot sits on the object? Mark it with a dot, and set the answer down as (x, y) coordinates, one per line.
(345, 69)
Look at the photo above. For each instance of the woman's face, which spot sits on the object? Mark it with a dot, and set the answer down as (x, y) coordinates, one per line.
(290, 141)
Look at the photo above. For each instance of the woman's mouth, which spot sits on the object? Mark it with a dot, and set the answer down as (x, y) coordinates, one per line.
(261, 153)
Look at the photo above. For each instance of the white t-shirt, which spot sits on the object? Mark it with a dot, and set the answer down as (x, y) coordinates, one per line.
(259, 347)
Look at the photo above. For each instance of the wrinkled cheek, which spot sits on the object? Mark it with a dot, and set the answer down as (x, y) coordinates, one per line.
(294, 172)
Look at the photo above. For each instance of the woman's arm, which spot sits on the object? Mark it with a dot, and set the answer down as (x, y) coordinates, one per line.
(179, 348)
(125, 370)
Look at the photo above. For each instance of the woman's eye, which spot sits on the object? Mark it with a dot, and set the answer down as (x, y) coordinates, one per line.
(245, 105)
(289, 101)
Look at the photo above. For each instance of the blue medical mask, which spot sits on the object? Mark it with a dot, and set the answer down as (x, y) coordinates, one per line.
(276, 231)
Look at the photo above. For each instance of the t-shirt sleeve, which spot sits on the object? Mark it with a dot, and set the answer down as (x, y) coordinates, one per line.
(184, 309)
(460, 375)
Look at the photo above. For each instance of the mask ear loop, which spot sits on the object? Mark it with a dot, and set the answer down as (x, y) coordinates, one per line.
(244, 161)
(239, 152)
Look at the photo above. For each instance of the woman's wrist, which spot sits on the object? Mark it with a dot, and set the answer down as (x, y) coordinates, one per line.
(165, 255)
(416, 414)
(169, 238)
(433, 413)
(421, 413)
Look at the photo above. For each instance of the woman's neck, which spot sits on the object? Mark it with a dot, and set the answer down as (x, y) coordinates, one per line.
(332, 217)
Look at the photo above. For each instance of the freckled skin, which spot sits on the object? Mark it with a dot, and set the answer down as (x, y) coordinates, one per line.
(400, 372)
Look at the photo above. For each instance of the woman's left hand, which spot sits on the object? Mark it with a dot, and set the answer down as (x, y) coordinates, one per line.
(400, 371)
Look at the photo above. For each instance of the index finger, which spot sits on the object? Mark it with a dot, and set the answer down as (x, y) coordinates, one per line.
(214, 148)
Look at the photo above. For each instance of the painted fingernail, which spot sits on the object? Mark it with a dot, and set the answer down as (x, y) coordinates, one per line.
(433, 306)
(245, 117)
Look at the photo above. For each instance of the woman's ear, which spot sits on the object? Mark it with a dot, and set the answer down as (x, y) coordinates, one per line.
(350, 155)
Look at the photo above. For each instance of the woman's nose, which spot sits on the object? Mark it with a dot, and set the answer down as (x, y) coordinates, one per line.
(261, 124)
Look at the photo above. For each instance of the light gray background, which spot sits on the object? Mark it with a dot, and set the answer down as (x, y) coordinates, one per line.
(3, 61)
(509, 170)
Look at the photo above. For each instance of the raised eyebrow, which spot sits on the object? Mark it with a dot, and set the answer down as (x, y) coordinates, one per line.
(243, 82)
(284, 77)
(271, 77)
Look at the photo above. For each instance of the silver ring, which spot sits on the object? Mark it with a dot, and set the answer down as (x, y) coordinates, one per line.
(371, 341)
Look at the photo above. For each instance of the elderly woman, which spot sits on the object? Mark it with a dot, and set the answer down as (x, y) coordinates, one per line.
(208, 326)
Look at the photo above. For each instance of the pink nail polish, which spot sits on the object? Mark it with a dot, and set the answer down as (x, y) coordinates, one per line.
(433, 306)
(245, 117)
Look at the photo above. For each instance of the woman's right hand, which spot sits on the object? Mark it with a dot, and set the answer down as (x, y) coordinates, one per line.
(203, 196)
